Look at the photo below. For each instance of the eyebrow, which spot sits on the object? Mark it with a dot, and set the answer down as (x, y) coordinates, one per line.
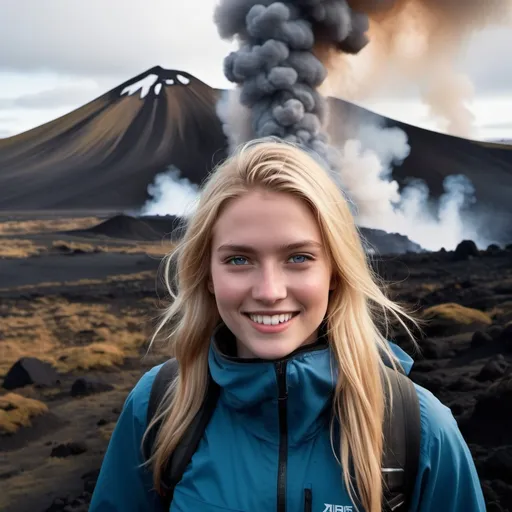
(286, 247)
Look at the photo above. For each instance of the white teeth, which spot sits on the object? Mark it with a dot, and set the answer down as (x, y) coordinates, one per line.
(271, 320)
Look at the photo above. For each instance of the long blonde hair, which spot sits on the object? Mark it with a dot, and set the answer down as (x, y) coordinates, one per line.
(358, 317)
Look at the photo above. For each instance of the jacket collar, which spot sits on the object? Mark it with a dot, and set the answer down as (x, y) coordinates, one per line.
(250, 387)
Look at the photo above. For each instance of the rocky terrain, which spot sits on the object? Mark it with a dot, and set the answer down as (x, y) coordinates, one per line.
(77, 306)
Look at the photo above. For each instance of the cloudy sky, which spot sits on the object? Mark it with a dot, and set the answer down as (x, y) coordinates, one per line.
(58, 54)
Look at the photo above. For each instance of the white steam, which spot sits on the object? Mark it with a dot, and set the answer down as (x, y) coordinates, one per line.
(171, 195)
(235, 118)
(367, 160)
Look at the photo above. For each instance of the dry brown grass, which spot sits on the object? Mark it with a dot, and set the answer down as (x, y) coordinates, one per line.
(456, 313)
(16, 411)
(430, 287)
(150, 248)
(95, 355)
(62, 246)
(72, 335)
(18, 248)
(30, 227)
(120, 278)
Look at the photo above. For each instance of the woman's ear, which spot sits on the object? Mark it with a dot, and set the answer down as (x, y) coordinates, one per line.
(210, 286)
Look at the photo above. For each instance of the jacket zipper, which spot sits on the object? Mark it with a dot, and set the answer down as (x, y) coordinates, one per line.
(283, 435)
(308, 499)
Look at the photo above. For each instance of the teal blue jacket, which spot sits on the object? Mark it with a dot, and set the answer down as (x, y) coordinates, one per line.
(235, 468)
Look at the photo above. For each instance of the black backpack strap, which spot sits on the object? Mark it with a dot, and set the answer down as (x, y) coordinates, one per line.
(187, 446)
(167, 373)
(402, 436)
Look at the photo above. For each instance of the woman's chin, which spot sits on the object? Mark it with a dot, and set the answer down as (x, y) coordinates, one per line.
(267, 351)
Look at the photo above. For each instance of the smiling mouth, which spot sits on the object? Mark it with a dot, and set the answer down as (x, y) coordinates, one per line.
(272, 319)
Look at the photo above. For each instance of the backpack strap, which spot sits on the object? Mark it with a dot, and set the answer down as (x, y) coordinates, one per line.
(187, 446)
(402, 436)
(163, 379)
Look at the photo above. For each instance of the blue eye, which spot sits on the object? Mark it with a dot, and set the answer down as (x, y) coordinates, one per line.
(299, 258)
(237, 260)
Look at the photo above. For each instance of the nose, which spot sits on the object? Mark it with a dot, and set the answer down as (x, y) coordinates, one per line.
(269, 286)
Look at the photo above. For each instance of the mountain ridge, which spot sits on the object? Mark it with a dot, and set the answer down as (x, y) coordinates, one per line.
(103, 155)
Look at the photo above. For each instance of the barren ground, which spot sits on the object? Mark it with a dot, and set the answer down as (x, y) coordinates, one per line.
(88, 306)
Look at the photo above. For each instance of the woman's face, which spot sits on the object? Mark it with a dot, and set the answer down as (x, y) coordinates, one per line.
(270, 273)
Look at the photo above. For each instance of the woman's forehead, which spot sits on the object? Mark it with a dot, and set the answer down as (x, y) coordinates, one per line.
(259, 218)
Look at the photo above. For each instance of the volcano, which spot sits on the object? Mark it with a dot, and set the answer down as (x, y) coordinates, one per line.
(103, 156)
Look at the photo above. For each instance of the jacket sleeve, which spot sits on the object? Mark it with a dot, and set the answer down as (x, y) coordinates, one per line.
(447, 479)
(123, 484)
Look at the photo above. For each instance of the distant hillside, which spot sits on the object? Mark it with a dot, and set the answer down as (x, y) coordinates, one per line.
(104, 155)
(506, 142)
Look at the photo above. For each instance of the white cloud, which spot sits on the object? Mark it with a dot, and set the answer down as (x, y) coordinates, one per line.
(114, 37)
(66, 96)
(21, 120)
(484, 59)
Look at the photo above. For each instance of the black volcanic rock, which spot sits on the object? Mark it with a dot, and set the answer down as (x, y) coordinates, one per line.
(506, 336)
(493, 369)
(493, 249)
(480, 339)
(465, 250)
(494, 331)
(30, 370)
(90, 478)
(493, 408)
(84, 386)
(69, 449)
(499, 463)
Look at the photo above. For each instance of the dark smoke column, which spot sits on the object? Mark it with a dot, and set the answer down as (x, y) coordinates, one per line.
(277, 68)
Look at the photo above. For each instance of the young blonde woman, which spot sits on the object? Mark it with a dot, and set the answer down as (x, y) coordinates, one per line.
(276, 302)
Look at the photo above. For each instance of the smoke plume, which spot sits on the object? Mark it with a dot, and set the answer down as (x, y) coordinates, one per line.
(417, 43)
(295, 52)
(276, 69)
